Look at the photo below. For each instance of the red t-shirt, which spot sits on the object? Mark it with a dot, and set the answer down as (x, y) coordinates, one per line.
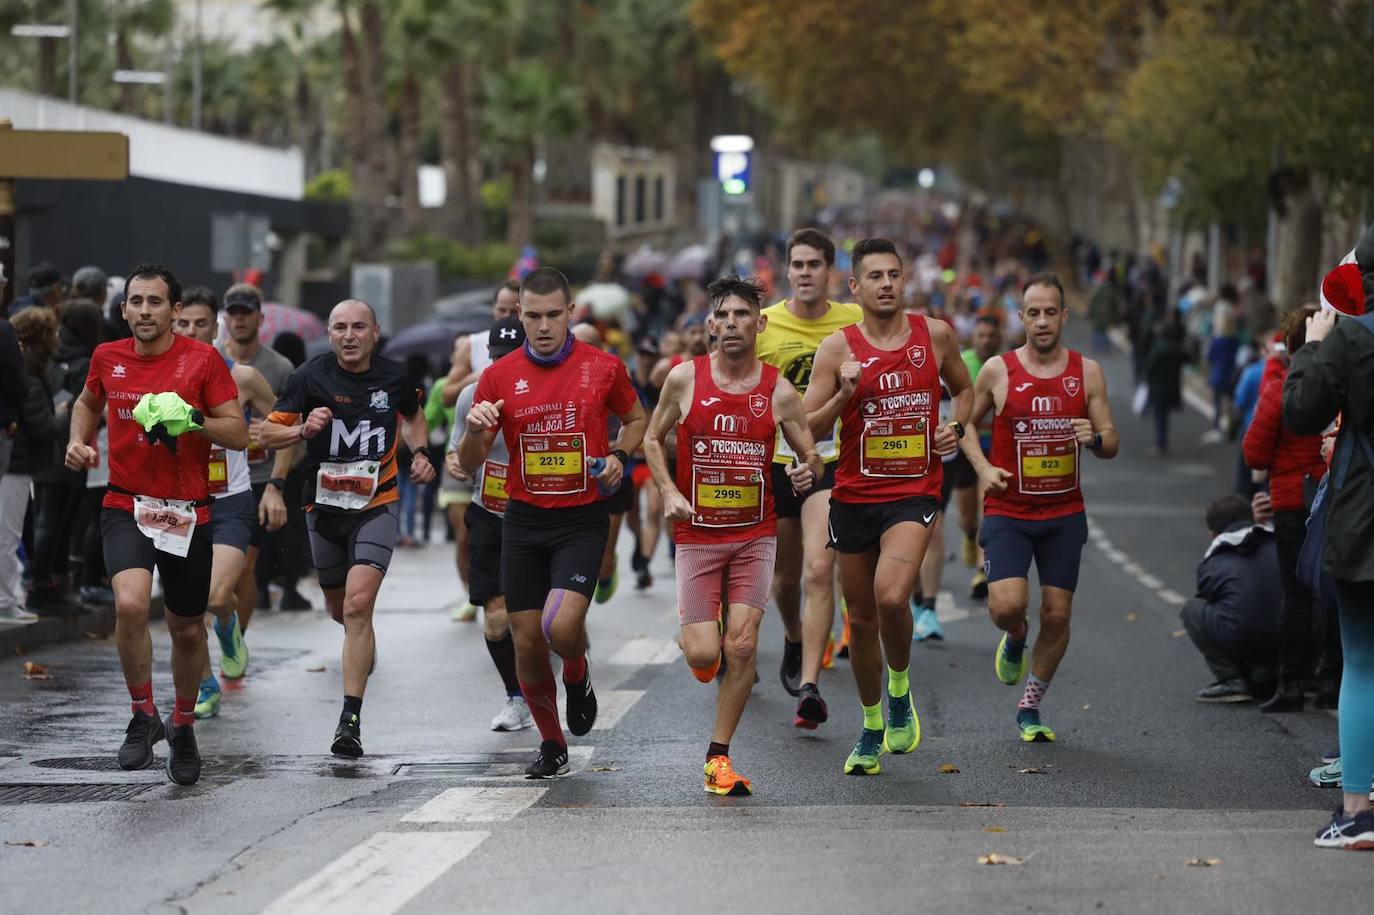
(887, 429)
(554, 421)
(119, 374)
(724, 459)
(1033, 440)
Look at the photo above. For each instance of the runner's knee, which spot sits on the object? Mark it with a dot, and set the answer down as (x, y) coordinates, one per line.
(495, 622)
(187, 631)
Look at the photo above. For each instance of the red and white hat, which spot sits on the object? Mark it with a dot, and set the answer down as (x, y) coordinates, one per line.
(1343, 288)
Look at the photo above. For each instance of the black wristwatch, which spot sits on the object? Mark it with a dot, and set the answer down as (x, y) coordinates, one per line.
(1097, 443)
(957, 426)
(621, 456)
(279, 482)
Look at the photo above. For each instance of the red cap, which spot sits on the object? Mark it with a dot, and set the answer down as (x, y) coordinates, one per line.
(1343, 290)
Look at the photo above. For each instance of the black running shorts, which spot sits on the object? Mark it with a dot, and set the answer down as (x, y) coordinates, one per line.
(547, 548)
(484, 549)
(185, 580)
(233, 519)
(786, 502)
(1056, 545)
(856, 527)
(341, 540)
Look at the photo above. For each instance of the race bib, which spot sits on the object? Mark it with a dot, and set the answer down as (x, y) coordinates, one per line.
(257, 455)
(554, 465)
(169, 523)
(346, 485)
(494, 495)
(1047, 467)
(726, 496)
(895, 447)
(217, 471)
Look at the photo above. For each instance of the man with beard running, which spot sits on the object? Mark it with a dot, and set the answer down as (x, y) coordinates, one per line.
(157, 506)
(728, 408)
(805, 569)
(1050, 403)
(352, 408)
(881, 379)
(551, 400)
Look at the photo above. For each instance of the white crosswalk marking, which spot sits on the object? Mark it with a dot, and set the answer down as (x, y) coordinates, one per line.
(611, 706)
(475, 805)
(640, 651)
(379, 875)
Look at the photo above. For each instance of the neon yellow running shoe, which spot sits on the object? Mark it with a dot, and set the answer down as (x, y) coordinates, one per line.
(863, 759)
(1011, 661)
(903, 732)
(233, 652)
(1032, 731)
(207, 698)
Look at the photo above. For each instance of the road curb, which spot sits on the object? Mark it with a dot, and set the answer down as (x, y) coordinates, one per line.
(21, 637)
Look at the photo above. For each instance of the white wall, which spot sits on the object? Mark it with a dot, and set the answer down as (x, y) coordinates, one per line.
(170, 153)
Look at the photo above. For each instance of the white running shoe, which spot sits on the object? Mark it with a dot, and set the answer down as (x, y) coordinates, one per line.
(514, 716)
(465, 612)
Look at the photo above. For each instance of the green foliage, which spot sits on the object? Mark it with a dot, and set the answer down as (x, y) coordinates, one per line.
(457, 261)
(333, 185)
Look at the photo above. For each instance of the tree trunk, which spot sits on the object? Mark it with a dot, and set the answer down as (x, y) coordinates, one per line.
(1299, 210)
(458, 151)
(124, 60)
(47, 66)
(373, 71)
(363, 148)
(408, 112)
(520, 230)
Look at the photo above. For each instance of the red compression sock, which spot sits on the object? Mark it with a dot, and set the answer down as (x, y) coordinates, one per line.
(575, 669)
(184, 712)
(141, 697)
(542, 699)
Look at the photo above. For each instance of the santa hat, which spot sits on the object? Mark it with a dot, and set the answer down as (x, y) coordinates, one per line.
(1343, 289)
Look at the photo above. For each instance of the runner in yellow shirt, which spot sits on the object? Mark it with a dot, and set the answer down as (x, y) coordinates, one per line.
(795, 328)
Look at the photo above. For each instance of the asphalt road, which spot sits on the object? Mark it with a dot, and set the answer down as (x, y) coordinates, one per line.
(435, 818)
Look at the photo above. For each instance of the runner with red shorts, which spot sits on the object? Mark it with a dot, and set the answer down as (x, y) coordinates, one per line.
(881, 379)
(727, 408)
(1050, 404)
(170, 398)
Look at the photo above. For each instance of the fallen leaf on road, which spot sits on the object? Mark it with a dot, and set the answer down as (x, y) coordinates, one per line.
(34, 671)
(1131, 617)
(995, 858)
(314, 670)
(1204, 862)
(1178, 633)
(953, 663)
(949, 769)
(995, 829)
(1032, 770)
(96, 636)
(1086, 707)
(984, 804)
(28, 843)
(604, 769)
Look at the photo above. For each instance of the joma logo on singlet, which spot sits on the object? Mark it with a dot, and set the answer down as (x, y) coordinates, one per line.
(730, 425)
(1044, 404)
(364, 437)
(894, 381)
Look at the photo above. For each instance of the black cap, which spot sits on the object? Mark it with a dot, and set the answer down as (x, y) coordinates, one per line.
(43, 274)
(648, 345)
(241, 298)
(507, 335)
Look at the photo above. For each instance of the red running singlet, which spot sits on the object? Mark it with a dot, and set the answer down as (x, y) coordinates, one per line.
(1033, 440)
(887, 429)
(724, 454)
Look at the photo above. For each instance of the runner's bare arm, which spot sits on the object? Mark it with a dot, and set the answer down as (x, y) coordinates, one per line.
(678, 383)
(224, 425)
(272, 504)
(483, 422)
(254, 391)
(954, 373)
(632, 424)
(1099, 421)
(828, 392)
(284, 429)
(791, 416)
(985, 392)
(461, 374)
(414, 431)
(85, 420)
(659, 373)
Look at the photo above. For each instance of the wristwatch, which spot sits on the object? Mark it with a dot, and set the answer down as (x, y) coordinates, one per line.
(279, 482)
(621, 456)
(957, 426)
(1097, 443)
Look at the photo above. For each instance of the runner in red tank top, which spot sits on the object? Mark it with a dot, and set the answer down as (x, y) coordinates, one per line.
(1050, 403)
(727, 408)
(882, 377)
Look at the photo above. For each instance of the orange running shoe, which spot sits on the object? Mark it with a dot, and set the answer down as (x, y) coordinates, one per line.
(842, 650)
(828, 657)
(722, 779)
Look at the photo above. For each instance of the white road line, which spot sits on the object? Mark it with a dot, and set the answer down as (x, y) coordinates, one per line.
(1115, 555)
(380, 875)
(474, 805)
(669, 653)
(640, 651)
(1172, 597)
(1133, 568)
(6, 760)
(946, 610)
(1149, 581)
(611, 706)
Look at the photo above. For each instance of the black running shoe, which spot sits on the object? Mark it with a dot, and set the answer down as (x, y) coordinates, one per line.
(791, 667)
(581, 705)
(143, 731)
(183, 763)
(811, 710)
(348, 739)
(552, 761)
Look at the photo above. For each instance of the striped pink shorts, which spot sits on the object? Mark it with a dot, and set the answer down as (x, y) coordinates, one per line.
(734, 573)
